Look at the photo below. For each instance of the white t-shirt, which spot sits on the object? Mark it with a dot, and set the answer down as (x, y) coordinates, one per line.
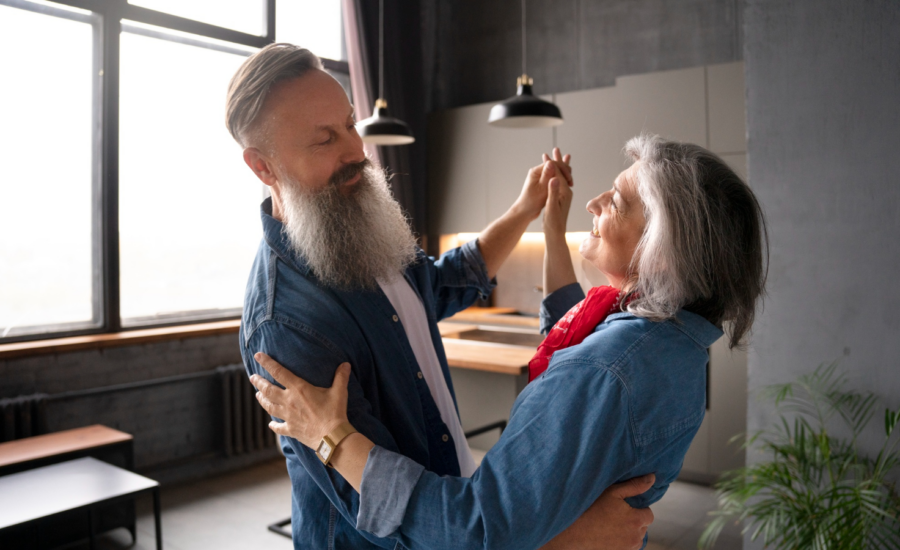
(412, 314)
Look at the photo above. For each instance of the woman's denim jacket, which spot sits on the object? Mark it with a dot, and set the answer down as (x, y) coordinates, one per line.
(625, 402)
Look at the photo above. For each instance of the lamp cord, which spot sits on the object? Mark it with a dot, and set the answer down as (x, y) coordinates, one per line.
(523, 37)
(381, 49)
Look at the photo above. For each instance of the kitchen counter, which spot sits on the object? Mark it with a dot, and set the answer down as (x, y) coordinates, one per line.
(499, 316)
(490, 340)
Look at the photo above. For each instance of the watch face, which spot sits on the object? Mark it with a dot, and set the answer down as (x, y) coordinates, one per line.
(324, 450)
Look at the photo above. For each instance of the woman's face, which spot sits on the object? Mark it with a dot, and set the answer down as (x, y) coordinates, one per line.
(618, 226)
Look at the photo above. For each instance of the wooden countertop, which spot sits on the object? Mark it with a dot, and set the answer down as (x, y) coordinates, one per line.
(498, 316)
(483, 356)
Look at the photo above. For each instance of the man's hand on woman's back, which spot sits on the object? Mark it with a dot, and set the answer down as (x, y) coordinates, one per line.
(610, 523)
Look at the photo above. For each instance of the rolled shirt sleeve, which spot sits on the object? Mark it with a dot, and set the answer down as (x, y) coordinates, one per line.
(558, 454)
(392, 477)
(458, 278)
(558, 303)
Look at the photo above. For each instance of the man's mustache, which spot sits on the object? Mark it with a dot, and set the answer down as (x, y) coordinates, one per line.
(348, 172)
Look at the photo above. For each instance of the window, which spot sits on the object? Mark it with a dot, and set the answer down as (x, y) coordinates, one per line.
(124, 202)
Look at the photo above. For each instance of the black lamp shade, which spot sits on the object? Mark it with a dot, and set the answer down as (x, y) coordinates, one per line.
(525, 111)
(382, 129)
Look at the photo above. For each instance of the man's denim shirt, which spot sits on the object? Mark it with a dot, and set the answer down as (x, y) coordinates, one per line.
(625, 402)
(311, 329)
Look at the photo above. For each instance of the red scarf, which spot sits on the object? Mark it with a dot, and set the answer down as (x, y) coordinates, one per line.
(575, 326)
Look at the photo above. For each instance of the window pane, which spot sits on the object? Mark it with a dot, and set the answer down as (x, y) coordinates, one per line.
(188, 205)
(313, 24)
(244, 15)
(45, 173)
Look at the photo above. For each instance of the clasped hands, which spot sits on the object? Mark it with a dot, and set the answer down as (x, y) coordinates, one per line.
(553, 175)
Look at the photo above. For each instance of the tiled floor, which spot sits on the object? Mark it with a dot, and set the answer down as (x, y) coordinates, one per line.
(232, 511)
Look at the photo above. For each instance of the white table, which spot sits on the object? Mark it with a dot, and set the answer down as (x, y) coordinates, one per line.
(82, 484)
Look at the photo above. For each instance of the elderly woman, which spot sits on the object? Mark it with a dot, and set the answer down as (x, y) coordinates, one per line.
(618, 385)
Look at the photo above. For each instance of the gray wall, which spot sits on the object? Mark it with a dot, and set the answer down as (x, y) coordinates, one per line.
(823, 117)
(177, 427)
(472, 48)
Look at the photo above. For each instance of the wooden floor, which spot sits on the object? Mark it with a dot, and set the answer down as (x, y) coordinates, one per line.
(231, 512)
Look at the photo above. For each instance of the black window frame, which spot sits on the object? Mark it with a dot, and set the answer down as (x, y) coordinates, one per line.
(106, 18)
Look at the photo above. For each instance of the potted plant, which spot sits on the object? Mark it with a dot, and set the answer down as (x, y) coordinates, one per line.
(817, 491)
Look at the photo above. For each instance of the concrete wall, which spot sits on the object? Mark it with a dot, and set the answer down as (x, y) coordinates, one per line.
(473, 49)
(823, 117)
(177, 426)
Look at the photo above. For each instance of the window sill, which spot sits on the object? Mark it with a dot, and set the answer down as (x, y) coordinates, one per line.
(129, 338)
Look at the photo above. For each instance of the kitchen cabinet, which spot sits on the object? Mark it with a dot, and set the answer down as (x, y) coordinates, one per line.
(476, 171)
(727, 116)
(483, 398)
(669, 103)
(737, 162)
(591, 135)
(511, 152)
(600, 121)
(711, 453)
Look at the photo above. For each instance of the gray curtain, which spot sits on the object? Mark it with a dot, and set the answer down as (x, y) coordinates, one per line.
(403, 90)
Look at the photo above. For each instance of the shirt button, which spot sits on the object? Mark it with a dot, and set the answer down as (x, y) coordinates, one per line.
(420, 375)
(395, 318)
(445, 438)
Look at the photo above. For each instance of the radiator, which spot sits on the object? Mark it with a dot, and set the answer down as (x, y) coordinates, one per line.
(23, 416)
(245, 424)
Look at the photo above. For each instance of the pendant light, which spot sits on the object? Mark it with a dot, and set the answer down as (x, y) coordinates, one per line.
(380, 128)
(525, 110)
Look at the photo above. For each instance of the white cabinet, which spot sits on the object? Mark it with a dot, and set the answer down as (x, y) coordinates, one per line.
(727, 116)
(511, 152)
(711, 453)
(600, 121)
(476, 171)
(591, 135)
(670, 103)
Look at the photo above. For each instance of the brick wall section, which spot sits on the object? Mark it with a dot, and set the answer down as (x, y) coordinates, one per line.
(87, 369)
(176, 426)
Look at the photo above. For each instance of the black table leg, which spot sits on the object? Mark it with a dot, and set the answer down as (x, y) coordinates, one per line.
(90, 512)
(157, 519)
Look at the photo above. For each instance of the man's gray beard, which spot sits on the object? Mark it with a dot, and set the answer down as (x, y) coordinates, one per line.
(349, 241)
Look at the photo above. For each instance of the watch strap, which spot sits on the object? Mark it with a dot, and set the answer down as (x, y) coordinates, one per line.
(334, 439)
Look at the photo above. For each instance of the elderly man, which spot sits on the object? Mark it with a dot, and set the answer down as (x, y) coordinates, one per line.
(338, 277)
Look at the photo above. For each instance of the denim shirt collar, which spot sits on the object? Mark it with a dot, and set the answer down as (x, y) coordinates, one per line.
(277, 239)
(696, 327)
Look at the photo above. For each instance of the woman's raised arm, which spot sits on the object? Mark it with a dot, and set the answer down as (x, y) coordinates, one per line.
(558, 270)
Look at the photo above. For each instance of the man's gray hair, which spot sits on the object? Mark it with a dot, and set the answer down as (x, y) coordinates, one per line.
(250, 85)
(705, 244)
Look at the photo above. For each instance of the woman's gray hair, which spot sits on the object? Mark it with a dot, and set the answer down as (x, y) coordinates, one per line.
(250, 85)
(705, 244)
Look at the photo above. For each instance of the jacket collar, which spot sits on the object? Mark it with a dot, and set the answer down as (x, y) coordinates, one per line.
(277, 239)
(696, 327)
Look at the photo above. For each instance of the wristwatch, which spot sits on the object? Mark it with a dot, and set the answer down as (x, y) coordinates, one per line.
(331, 441)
